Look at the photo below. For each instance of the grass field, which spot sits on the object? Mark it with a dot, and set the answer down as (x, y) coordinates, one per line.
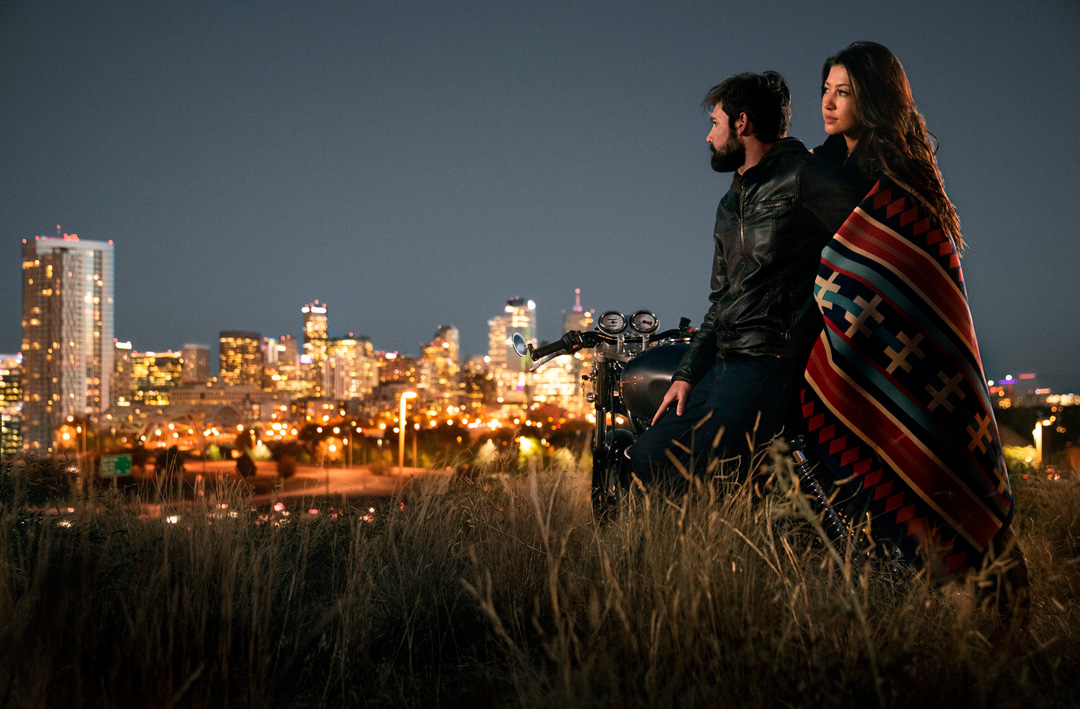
(503, 592)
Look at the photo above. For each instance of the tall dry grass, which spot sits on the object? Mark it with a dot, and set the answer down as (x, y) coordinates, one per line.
(505, 592)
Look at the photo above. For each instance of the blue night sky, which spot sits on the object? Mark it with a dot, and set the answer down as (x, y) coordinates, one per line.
(417, 163)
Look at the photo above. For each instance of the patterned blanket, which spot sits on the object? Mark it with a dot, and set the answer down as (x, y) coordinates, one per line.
(896, 401)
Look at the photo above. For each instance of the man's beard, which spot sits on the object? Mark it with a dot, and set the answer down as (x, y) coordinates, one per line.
(729, 157)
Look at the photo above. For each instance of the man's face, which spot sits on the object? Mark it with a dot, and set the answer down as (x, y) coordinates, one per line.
(728, 153)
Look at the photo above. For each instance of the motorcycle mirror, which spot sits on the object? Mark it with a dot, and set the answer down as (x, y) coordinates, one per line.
(519, 345)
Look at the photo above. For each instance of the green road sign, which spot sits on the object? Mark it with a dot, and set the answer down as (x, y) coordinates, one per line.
(115, 466)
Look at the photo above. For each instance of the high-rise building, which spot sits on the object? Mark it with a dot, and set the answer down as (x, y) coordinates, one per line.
(123, 382)
(442, 356)
(154, 375)
(510, 370)
(313, 360)
(241, 358)
(351, 373)
(67, 334)
(282, 358)
(577, 318)
(10, 405)
(196, 360)
(396, 368)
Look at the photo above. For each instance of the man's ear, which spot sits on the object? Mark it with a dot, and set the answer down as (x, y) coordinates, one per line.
(743, 126)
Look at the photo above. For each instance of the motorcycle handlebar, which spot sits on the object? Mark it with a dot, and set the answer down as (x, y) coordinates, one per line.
(575, 340)
(552, 348)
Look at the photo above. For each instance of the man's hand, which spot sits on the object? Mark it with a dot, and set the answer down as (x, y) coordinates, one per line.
(678, 392)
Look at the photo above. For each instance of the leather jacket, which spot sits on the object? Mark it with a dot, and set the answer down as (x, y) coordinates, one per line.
(770, 229)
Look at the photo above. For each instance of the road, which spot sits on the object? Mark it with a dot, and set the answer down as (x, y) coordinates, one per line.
(266, 486)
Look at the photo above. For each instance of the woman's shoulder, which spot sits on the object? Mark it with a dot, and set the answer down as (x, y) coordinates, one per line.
(834, 150)
(833, 153)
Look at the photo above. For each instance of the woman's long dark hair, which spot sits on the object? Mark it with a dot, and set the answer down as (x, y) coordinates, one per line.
(894, 141)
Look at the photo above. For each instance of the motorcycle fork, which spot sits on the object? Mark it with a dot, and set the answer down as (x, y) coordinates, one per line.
(610, 478)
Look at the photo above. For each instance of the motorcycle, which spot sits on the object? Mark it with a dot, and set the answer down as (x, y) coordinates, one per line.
(631, 372)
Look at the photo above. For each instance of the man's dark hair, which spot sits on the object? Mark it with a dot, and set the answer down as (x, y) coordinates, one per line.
(764, 98)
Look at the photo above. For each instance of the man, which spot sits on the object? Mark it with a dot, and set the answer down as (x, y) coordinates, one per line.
(737, 384)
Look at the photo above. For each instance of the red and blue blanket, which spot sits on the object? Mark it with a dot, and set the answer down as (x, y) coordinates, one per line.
(895, 398)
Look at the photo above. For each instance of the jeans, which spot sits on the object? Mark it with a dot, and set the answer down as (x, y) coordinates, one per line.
(730, 397)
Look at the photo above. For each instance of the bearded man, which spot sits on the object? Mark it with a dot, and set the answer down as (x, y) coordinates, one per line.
(737, 384)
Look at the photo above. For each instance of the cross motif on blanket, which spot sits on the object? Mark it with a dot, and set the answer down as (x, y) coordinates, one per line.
(950, 387)
(858, 322)
(983, 432)
(899, 359)
(829, 286)
(1003, 481)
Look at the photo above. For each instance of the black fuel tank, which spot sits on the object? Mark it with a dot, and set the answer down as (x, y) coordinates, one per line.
(646, 378)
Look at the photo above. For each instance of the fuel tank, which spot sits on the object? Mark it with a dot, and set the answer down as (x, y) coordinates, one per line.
(646, 378)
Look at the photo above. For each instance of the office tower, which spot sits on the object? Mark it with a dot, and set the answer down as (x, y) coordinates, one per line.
(313, 359)
(511, 371)
(518, 316)
(67, 334)
(123, 383)
(282, 358)
(442, 356)
(154, 375)
(10, 405)
(196, 364)
(396, 368)
(577, 318)
(350, 372)
(241, 358)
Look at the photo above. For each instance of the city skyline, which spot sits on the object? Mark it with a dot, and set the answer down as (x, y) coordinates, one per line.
(417, 165)
(570, 318)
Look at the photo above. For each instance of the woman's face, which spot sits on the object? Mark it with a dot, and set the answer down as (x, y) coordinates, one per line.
(838, 104)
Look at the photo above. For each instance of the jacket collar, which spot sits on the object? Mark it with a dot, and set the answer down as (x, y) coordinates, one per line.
(784, 146)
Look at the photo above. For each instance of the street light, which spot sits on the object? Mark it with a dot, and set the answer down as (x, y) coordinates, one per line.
(1038, 435)
(401, 428)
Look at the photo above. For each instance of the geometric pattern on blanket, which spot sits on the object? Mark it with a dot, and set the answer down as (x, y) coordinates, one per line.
(895, 398)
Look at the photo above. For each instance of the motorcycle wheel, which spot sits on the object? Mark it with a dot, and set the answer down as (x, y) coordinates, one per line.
(611, 477)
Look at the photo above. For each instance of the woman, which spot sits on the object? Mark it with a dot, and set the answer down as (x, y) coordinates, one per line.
(896, 400)
(875, 128)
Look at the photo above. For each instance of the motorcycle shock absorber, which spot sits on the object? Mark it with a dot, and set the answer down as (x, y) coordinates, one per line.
(835, 524)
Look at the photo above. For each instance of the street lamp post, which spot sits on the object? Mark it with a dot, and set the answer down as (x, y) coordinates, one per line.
(1038, 435)
(401, 428)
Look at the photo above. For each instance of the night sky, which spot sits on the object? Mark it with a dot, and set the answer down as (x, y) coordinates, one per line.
(417, 163)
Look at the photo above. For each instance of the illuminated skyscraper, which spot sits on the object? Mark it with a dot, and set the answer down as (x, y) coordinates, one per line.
(313, 360)
(67, 334)
(154, 375)
(241, 358)
(351, 372)
(10, 405)
(442, 356)
(123, 382)
(196, 364)
(577, 318)
(573, 398)
(510, 370)
(282, 357)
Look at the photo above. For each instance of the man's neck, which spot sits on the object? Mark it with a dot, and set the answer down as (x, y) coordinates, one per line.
(755, 151)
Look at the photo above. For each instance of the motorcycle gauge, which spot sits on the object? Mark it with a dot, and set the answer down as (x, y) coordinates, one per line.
(644, 322)
(612, 322)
